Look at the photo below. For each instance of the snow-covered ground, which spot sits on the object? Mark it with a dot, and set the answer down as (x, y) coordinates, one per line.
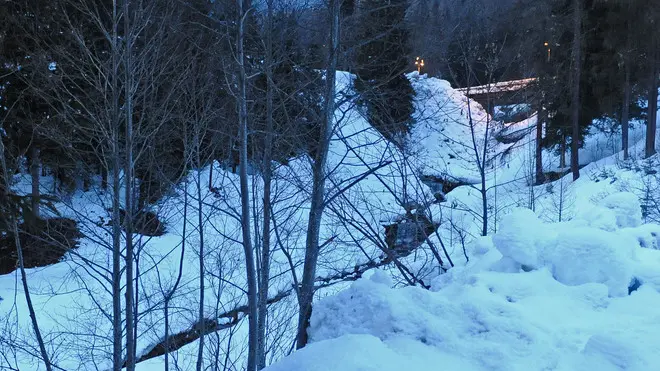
(549, 290)
(538, 295)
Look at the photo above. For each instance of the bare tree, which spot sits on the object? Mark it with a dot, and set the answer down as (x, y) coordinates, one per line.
(652, 113)
(575, 88)
(318, 181)
(245, 196)
(264, 268)
(625, 114)
(21, 264)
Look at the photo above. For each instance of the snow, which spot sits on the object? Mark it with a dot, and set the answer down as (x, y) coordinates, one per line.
(73, 296)
(572, 311)
(441, 137)
(626, 207)
(575, 252)
(498, 87)
(524, 248)
(547, 290)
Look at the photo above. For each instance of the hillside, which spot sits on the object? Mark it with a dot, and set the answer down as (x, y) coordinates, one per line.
(482, 314)
(569, 286)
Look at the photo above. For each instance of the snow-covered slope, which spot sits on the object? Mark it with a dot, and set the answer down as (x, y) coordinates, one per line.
(481, 315)
(550, 289)
(369, 184)
(540, 296)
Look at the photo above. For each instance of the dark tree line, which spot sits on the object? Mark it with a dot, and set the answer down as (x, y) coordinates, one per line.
(54, 54)
(616, 56)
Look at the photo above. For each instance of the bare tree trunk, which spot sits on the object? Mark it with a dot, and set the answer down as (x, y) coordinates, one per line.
(652, 115)
(21, 266)
(35, 173)
(575, 103)
(318, 186)
(245, 196)
(104, 176)
(540, 119)
(128, 185)
(200, 222)
(625, 114)
(184, 236)
(211, 173)
(562, 153)
(482, 170)
(264, 272)
(653, 99)
(116, 226)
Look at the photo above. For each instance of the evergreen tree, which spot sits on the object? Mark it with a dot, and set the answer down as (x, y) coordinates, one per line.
(381, 61)
(298, 88)
(610, 47)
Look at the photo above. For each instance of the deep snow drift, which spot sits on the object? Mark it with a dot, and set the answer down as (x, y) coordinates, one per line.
(539, 296)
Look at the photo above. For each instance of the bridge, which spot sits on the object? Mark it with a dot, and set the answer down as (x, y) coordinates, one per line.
(502, 93)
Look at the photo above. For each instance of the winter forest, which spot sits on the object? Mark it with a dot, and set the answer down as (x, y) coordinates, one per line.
(329, 185)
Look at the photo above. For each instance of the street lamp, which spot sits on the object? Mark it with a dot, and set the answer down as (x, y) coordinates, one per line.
(547, 45)
(419, 63)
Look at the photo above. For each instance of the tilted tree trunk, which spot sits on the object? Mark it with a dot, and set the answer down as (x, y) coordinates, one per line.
(21, 266)
(245, 195)
(575, 101)
(318, 186)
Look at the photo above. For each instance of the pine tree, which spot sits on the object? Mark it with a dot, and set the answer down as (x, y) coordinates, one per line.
(381, 61)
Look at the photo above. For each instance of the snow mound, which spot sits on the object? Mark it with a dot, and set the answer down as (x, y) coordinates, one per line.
(522, 237)
(589, 249)
(586, 255)
(492, 321)
(626, 207)
(373, 356)
(445, 120)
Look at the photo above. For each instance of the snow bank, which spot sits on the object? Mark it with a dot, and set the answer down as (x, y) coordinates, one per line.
(589, 249)
(493, 321)
(441, 137)
(626, 207)
(522, 238)
(537, 296)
